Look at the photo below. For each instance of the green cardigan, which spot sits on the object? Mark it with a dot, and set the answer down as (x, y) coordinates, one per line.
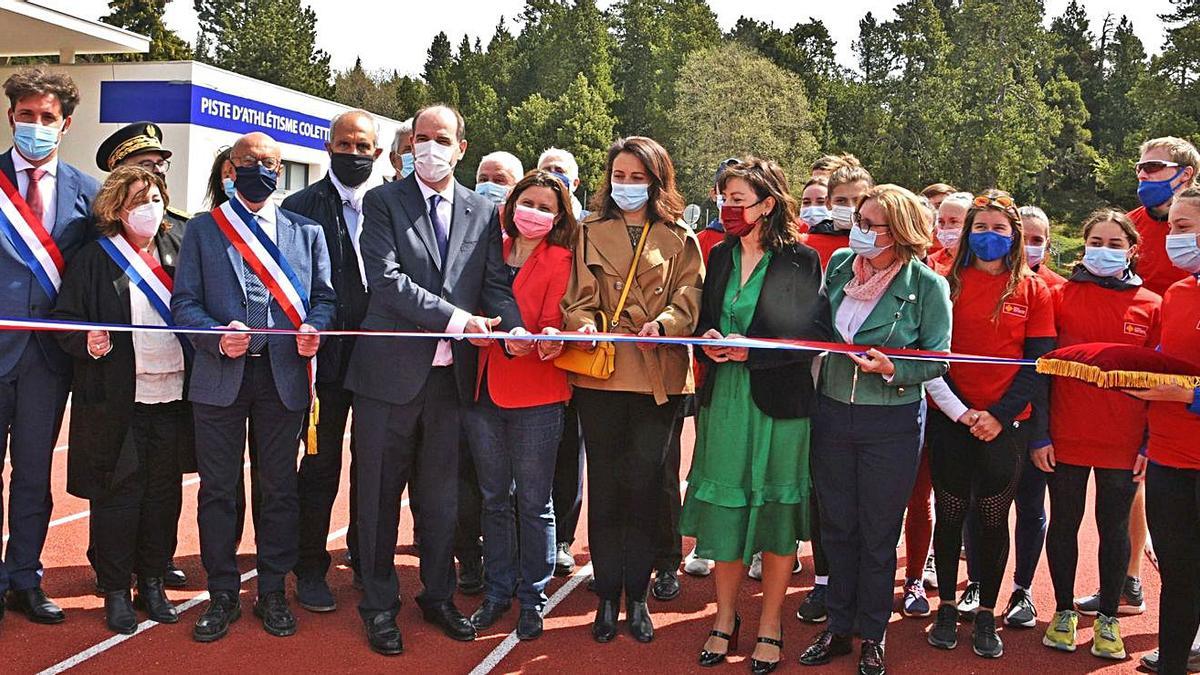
(914, 313)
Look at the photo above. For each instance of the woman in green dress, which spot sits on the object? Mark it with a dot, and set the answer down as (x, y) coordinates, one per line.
(748, 489)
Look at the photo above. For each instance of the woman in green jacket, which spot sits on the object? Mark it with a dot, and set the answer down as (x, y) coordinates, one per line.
(870, 416)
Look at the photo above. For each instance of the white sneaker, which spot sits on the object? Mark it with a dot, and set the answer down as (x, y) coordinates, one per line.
(755, 571)
(929, 575)
(697, 567)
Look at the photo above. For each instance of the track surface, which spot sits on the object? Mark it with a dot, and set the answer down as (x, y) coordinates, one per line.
(335, 642)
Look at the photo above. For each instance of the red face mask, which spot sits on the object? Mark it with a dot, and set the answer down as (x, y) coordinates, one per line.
(733, 219)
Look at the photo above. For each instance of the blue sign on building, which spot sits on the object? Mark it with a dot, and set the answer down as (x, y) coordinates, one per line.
(123, 101)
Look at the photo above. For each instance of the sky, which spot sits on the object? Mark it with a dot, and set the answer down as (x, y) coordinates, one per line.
(391, 35)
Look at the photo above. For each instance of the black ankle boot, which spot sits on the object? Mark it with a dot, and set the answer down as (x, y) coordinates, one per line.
(118, 612)
(604, 628)
(152, 598)
(638, 617)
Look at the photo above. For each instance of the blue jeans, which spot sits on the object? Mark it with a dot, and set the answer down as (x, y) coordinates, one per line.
(515, 450)
(1030, 533)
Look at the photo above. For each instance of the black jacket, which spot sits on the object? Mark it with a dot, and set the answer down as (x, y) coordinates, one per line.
(102, 394)
(792, 304)
(321, 202)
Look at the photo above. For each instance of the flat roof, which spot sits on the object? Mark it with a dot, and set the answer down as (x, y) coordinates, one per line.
(30, 29)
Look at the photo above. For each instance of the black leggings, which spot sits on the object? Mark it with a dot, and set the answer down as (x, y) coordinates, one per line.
(1068, 494)
(968, 472)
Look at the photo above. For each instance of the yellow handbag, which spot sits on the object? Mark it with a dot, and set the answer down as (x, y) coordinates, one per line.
(599, 363)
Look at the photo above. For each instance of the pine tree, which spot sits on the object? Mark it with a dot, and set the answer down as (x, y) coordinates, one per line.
(145, 17)
(560, 39)
(439, 71)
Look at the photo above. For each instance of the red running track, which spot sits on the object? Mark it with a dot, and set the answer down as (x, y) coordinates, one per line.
(335, 642)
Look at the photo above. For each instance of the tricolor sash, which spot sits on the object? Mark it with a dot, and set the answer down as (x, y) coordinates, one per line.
(29, 237)
(280, 280)
(144, 271)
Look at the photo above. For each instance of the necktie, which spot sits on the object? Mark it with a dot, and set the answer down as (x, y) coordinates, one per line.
(440, 232)
(33, 196)
(258, 304)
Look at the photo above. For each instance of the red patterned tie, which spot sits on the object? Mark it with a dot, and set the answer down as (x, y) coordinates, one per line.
(33, 196)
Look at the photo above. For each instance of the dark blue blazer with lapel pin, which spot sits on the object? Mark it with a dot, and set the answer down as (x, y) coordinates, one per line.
(21, 296)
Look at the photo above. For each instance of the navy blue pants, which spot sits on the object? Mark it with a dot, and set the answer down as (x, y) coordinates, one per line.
(32, 399)
(864, 462)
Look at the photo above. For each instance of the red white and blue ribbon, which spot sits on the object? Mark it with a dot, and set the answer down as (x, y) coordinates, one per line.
(264, 258)
(144, 271)
(30, 239)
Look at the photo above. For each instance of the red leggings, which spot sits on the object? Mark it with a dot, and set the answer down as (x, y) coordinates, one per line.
(918, 522)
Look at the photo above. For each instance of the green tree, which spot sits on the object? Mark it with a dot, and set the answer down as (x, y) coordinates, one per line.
(578, 121)
(370, 91)
(560, 39)
(272, 40)
(500, 66)
(1119, 118)
(145, 17)
(411, 94)
(714, 118)
(439, 71)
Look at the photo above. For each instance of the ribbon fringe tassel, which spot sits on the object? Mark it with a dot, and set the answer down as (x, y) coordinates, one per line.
(1114, 379)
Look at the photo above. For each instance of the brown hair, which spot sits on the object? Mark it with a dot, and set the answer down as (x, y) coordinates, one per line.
(767, 179)
(1179, 150)
(826, 163)
(665, 202)
(117, 190)
(1106, 214)
(819, 180)
(1014, 259)
(38, 82)
(215, 196)
(938, 189)
(906, 218)
(565, 227)
(849, 171)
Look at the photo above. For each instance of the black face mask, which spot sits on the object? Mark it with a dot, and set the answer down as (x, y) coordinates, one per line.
(256, 183)
(351, 169)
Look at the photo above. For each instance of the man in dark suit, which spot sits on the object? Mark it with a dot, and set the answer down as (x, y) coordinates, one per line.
(334, 202)
(431, 249)
(35, 374)
(238, 377)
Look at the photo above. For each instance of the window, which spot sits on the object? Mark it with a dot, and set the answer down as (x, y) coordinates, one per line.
(294, 176)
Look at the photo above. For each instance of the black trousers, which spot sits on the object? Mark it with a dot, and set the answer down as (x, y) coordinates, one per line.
(220, 448)
(134, 524)
(320, 476)
(568, 478)
(1068, 496)
(419, 442)
(1173, 512)
(627, 437)
(469, 529)
(969, 473)
(820, 561)
(670, 542)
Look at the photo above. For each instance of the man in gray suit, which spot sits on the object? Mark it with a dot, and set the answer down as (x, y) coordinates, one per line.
(236, 377)
(431, 249)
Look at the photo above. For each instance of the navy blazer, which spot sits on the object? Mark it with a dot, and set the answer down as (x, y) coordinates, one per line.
(210, 291)
(21, 296)
(410, 291)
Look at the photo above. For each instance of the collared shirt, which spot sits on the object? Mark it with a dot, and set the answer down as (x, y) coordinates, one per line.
(266, 217)
(158, 357)
(352, 212)
(445, 209)
(46, 185)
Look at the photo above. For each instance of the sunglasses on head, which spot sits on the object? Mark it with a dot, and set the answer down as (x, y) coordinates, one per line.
(1154, 166)
(984, 201)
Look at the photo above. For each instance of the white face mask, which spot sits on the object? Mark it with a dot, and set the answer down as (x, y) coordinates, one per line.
(948, 238)
(433, 160)
(841, 216)
(144, 220)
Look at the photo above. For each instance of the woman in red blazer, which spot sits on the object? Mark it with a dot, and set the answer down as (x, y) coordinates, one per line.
(515, 425)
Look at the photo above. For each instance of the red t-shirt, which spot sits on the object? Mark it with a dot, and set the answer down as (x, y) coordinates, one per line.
(1175, 430)
(941, 261)
(1027, 313)
(709, 238)
(826, 244)
(1154, 267)
(1090, 426)
(1053, 279)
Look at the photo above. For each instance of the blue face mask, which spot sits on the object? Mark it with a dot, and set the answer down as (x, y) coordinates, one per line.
(1105, 262)
(227, 186)
(1184, 252)
(863, 243)
(814, 215)
(630, 196)
(406, 164)
(989, 246)
(256, 183)
(1152, 193)
(35, 141)
(496, 193)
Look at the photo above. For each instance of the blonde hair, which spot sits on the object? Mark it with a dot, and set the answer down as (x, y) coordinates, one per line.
(1179, 150)
(117, 190)
(905, 216)
(850, 170)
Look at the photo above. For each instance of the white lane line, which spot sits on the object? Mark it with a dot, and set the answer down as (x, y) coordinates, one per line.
(497, 655)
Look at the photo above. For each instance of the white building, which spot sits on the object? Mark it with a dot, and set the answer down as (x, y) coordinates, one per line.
(201, 109)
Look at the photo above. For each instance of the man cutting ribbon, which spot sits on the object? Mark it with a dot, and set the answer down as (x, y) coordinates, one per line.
(250, 264)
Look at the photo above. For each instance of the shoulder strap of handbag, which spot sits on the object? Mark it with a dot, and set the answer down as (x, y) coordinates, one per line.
(637, 256)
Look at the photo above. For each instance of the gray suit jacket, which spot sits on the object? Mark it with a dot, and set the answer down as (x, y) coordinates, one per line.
(411, 292)
(210, 291)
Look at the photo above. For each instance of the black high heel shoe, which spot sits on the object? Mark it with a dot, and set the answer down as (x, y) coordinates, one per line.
(762, 667)
(709, 659)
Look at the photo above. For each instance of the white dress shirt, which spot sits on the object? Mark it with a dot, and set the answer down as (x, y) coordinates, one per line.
(158, 357)
(851, 315)
(265, 217)
(444, 356)
(46, 185)
(352, 212)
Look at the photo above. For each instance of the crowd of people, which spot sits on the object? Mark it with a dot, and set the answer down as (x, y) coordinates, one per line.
(491, 434)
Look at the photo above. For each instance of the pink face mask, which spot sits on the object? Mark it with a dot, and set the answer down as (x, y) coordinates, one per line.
(532, 223)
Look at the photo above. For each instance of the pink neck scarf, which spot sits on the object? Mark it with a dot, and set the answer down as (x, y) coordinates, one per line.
(869, 283)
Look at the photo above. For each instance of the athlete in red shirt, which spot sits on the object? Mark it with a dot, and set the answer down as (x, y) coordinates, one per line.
(847, 184)
(1167, 166)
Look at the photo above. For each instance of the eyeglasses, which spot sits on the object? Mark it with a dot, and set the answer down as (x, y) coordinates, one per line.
(1153, 166)
(984, 201)
(161, 166)
(249, 161)
(865, 225)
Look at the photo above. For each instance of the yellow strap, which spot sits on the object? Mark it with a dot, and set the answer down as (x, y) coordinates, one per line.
(314, 414)
(637, 255)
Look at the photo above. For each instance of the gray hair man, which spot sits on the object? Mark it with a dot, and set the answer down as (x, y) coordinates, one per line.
(401, 155)
(562, 162)
(498, 172)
